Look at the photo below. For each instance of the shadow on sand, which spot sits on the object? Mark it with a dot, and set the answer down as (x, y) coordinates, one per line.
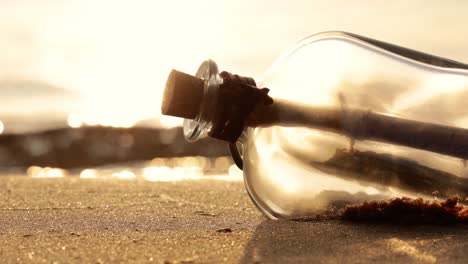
(345, 242)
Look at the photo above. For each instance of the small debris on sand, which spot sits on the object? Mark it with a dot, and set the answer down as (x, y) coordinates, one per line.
(224, 230)
(408, 211)
(203, 213)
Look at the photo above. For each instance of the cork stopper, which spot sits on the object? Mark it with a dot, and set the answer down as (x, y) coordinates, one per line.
(182, 95)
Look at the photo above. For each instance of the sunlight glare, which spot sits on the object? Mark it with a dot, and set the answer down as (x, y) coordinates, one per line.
(74, 120)
(88, 174)
(46, 172)
(120, 75)
(170, 121)
(124, 175)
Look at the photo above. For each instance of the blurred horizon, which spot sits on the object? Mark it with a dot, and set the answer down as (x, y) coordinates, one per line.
(105, 62)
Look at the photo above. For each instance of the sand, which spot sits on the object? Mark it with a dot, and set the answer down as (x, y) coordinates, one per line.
(71, 220)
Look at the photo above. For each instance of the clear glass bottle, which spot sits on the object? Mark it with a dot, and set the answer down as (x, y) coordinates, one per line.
(353, 119)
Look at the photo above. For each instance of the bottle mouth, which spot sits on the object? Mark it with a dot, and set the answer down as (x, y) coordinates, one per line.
(197, 127)
(212, 103)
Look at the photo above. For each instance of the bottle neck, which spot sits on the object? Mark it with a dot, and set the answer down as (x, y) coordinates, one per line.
(227, 101)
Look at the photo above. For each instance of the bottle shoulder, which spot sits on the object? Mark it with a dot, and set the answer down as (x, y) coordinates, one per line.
(392, 48)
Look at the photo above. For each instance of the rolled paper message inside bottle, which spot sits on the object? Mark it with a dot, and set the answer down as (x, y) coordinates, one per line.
(184, 94)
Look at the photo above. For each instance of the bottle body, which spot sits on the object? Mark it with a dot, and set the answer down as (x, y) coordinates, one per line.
(294, 171)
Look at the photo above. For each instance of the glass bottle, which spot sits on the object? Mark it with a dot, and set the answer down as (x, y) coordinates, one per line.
(352, 119)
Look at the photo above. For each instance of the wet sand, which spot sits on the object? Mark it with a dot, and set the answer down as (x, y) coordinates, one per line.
(109, 220)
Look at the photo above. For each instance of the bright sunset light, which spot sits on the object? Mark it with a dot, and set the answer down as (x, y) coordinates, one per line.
(117, 54)
(356, 154)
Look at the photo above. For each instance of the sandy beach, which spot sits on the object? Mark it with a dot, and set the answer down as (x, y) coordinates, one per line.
(72, 220)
